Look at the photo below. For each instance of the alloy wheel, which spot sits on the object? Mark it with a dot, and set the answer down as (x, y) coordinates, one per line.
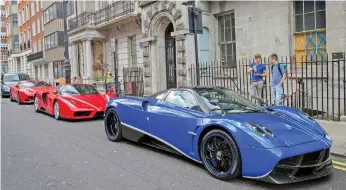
(113, 125)
(36, 104)
(56, 110)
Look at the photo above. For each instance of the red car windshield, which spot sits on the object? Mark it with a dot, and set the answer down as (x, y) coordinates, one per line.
(32, 84)
(80, 89)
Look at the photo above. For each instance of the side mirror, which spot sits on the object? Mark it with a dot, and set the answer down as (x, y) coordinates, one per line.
(214, 102)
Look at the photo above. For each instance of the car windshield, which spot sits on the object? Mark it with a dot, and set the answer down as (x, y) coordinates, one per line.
(11, 78)
(85, 89)
(221, 100)
(32, 84)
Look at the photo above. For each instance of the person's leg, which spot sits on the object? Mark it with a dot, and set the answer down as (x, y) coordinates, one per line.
(253, 89)
(259, 92)
(278, 95)
(274, 95)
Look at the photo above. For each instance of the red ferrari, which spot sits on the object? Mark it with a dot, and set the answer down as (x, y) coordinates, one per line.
(24, 91)
(72, 101)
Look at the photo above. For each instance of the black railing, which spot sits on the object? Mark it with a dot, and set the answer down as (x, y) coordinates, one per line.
(316, 87)
(35, 56)
(110, 12)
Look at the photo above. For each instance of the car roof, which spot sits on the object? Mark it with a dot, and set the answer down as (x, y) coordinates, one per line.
(198, 87)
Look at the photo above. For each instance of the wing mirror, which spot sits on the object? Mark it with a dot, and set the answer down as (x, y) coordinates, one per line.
(214, 102)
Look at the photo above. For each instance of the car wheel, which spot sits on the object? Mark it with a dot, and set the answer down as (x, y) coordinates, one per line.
(220, 155)
(35, 103)
(18, 99)
(112, 126)
(56, 110)
(11, 98)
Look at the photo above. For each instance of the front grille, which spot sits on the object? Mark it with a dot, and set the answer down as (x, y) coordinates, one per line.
(82, 113)
(311, 158)
(99, 114)
(305, 171)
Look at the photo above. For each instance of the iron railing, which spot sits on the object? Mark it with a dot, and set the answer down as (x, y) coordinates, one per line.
(112, 11)
(316, 87)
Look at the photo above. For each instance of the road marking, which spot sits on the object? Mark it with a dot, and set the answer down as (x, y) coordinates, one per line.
(339, 163)
(339, 168)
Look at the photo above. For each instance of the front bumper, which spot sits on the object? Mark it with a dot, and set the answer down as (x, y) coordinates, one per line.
(300, 168)
(83, 114)
(27, 98)
(264, 164)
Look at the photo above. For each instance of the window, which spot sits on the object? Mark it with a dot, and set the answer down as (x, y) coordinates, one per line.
(24, 37)
(20, 18)
(53, 12)
(227, 38)
(15, 20)
(23, 16)
(184, 99)
(70, 8)
(132, 51)
(37, 5)
(69, 90)
(310, 15)
(27, 12)
(58, 68)
(35, 47)
(33, 28)
(3, 35)
(29, 34)
(38, 26)
(310, 27)
(32, 8)
(54, 40)
(39, 46)
(3, 24)
(204, 46)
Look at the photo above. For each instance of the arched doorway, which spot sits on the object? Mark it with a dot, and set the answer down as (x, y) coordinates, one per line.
(171, 76)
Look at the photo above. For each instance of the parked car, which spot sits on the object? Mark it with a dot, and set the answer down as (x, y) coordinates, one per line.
(24, 91)
(10, 79)
(225, 132)
(72, 101)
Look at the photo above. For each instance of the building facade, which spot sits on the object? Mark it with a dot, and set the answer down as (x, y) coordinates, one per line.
(4, 45)
(24, 29)
(154, 36)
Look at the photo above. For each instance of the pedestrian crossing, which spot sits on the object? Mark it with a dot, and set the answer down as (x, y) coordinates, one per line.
(339, 165)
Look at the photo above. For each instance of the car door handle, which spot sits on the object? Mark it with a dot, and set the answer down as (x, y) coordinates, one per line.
(145, 105)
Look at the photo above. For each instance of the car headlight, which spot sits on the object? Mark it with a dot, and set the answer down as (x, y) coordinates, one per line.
(5, 87)
(26, 92)
(261, 130)
(327, 137)
(69, 103)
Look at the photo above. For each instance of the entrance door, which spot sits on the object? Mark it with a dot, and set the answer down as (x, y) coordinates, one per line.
(170, 58)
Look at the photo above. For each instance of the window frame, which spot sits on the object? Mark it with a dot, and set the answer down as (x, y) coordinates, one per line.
(223, 41)
(132, 55)
(32, 8)
(303, 13)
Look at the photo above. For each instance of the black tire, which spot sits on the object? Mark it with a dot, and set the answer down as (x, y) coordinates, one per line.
(18, 99)
(113, 126)
(11, 98)
(215, 147)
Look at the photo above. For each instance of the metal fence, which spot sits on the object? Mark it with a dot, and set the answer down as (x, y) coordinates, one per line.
(316, 87)
(129, 82)
(112, 11)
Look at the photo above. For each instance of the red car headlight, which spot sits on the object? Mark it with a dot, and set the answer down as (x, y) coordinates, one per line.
(69, 103)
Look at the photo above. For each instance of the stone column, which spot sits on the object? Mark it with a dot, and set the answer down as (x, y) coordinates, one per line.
(104, 52)
(74, 62)
(88, 59)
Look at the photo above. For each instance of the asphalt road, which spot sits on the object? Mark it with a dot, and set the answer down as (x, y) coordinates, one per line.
(39, 152)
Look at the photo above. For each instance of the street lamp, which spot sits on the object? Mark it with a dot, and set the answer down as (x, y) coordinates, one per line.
(67, 65)
(195, 13)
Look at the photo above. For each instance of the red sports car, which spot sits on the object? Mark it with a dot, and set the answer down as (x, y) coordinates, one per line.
(72, 101)
(24, 91)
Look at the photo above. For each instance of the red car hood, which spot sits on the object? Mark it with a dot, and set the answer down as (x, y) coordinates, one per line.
(93, 101)
(41, 88)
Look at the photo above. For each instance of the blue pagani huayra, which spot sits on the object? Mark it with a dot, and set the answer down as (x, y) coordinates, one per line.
(226, 132)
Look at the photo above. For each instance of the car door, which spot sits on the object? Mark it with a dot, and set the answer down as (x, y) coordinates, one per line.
(175, 118)
(48, 99)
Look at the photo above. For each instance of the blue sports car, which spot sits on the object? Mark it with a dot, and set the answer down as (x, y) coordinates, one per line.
(225, 132)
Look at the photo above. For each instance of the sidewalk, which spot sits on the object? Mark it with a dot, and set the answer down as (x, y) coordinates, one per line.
(337, 132)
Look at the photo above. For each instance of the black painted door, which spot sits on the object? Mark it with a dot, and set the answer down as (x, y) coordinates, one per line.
(170, 58)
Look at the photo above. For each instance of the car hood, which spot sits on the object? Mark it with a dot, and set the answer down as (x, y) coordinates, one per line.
(41, 88)
(93, 101)
(286, 129)
(10, 84)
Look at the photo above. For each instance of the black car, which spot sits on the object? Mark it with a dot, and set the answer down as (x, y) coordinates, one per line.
(10, 79)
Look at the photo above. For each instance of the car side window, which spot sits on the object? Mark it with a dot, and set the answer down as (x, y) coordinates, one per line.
(160, 96)
(69, 90)
(183, 98)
